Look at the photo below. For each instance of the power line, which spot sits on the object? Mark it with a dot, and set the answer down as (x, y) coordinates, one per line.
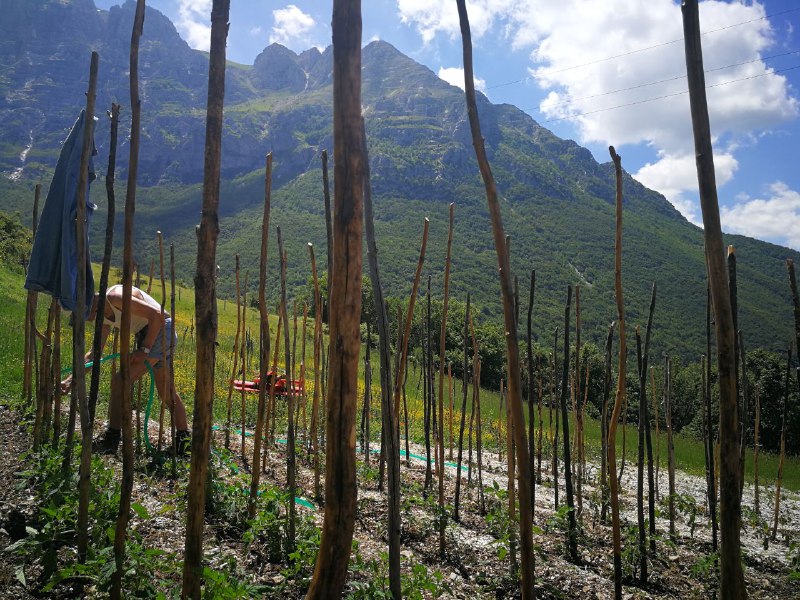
(638, 50)
(599, 110)
(676, 78)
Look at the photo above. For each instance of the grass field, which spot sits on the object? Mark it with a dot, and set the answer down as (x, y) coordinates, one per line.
(689, 454)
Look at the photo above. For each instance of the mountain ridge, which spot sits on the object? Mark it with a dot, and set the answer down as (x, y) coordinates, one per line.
(558, 201)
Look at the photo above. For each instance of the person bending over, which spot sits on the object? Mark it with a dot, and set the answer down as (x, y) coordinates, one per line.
(147, 323)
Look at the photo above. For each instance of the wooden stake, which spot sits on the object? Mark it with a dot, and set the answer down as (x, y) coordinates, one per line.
(79, 328)
(463, 414)
(315, 400)
(30, 314)
(106, 265)
(263, 357)
(205, 304)
(731, 574)
(620, 395)
(163, 333)
(345, 305)
(235, 359)
(290, 444)
(390, 439)
(442, 355)
(782, 453)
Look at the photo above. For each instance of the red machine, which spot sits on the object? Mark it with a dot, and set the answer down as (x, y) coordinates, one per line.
(281, 385)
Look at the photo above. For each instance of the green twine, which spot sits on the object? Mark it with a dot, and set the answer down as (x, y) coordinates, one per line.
(89, 364)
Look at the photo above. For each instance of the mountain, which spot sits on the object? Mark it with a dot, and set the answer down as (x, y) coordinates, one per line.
(557, 201)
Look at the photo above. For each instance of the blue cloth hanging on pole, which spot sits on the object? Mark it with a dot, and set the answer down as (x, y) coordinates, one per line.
(53, 267)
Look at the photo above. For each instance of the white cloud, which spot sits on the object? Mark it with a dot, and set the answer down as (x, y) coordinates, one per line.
(775, 218)
(613, 101)
(431, 18)
(675, 176)
(455, 76)
(292, 27)
(194, 22)
(256, 31)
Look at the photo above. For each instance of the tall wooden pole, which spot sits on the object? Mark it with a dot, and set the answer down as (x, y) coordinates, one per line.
(263, 359)
(731, 574)
(30, 313)
(235, 359)
(345, 305)
(389, 409)
(512, 347)
(205, 284)
(317, 378)
(79, 323)
(621, 378)
(125, 325)
(572, 532)
(442, 355)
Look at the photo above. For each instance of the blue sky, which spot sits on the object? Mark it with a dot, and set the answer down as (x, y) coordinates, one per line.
(601, 73)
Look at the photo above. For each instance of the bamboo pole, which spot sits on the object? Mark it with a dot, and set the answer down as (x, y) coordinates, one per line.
(345, 305)
(205, 304)
(235, 360)
(621, 378)
(731, 574)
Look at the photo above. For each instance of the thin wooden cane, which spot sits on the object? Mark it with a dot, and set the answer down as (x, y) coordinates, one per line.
(163, 335)
(229, 416)
(315, 399)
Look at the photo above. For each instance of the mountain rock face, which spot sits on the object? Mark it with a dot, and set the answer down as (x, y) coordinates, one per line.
(558, 202)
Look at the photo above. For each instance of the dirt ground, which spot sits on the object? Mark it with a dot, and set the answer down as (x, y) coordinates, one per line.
(471, 567)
